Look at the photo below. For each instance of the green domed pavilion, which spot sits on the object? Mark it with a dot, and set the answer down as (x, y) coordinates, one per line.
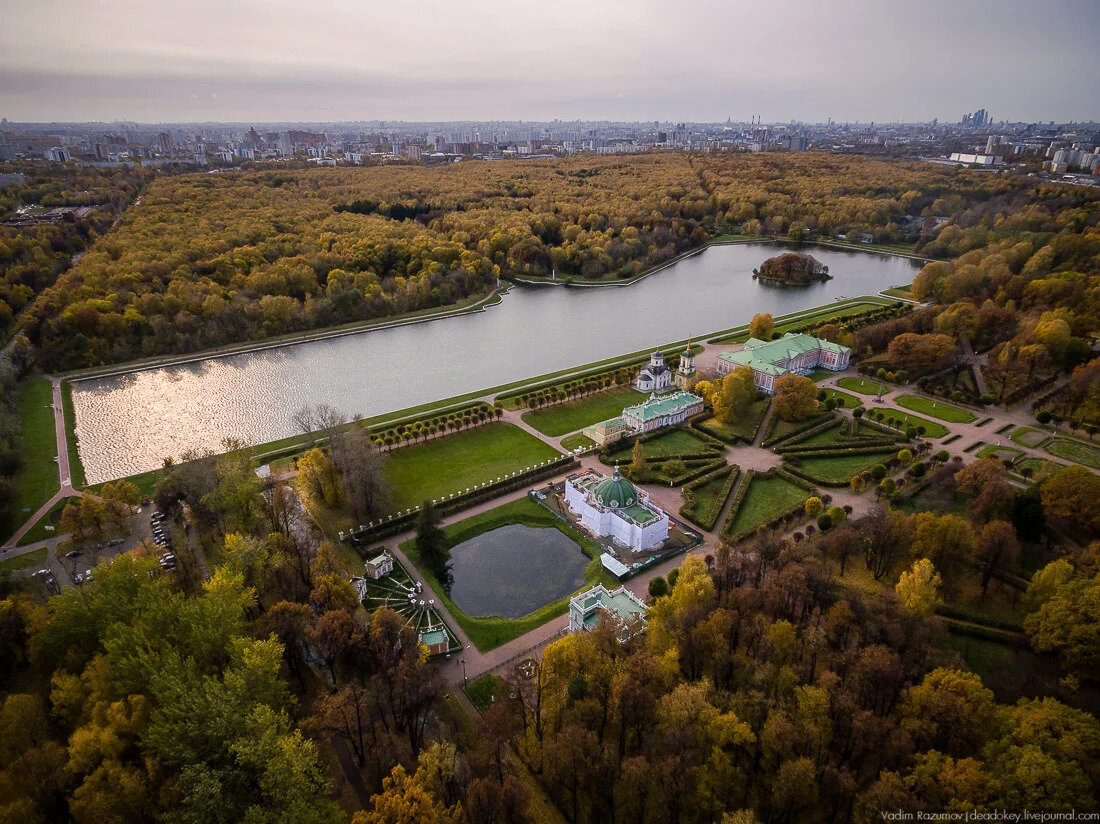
(615, 492)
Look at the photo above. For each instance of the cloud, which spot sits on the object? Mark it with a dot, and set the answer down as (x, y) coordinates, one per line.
(436, 59)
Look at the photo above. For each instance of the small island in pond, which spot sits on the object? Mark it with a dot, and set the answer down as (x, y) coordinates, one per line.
(794, 268)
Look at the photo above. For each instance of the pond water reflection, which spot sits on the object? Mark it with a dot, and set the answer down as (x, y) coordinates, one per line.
(515, 569)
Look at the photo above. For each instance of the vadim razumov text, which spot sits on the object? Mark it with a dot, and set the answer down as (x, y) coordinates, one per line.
(992, 815)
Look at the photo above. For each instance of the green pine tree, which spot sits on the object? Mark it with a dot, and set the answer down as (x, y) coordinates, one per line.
(431, 544)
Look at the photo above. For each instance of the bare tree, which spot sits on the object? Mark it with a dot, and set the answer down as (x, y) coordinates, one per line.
(362, 468)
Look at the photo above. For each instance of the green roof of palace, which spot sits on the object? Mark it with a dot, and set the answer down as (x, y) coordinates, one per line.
(618, 603)
(658, 407)
(764, 356)
(615, 492)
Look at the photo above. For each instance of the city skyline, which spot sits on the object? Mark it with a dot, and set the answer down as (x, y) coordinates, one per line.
(248, 62)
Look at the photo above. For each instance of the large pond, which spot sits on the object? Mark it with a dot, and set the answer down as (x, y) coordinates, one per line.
(513, 570)
(129, 423)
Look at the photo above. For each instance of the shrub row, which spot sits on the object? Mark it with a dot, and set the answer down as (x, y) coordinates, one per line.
(401, 523)
(789, 477)
(610, 449)
(986, 633)
(844, 448)
(732, 440)
(723, 494)
(946, 611)
(879, 426)
(812, 427)
(696, 469)
(738, 497)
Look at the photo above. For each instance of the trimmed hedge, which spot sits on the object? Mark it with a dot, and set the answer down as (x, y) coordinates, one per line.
(723, 495)
(813, 426)
(854, 447)
(607, 450)
(394, 526)
(738, 498)
(986, 633)
(697, 469)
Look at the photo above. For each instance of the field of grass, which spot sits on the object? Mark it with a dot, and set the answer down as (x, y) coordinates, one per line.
(1029, 437)
(1076, 451)
(845, 400)
(482, 691)
(573, 415)
(706, 498)
(862, 386)
(675, 442)
(905, 419)
(489, 633)
(798, 320)
(840, 468)
(37, 479)
(744, 427)
(27, 559)
(766, 498)
(904, 292)
(441, 466)
(1039, 467)
(576, 441)
(52, 517)
(937, 409)
(1001, 453)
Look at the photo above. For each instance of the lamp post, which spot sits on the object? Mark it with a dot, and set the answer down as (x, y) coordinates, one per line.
(463, 662)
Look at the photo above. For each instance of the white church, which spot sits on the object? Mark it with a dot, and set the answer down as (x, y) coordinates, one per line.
(614, 508)
(655, 376)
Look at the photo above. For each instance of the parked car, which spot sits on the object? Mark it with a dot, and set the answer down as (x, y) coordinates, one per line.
(40, 573)
(115, 541)
(74, 553)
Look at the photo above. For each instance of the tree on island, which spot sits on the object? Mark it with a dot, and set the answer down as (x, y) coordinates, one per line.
(431, 544)
(793, 267)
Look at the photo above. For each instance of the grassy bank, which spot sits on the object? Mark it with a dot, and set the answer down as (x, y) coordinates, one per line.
(37, 479)
(436, 468)
(573, 415)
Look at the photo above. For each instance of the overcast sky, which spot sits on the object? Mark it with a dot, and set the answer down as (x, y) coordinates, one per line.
(265, 60)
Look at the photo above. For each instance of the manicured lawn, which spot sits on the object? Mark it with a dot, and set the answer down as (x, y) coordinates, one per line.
(441, 466)
(744, 427)
(1038, 466)
(576, 441)
(675, 442)
(841, 468)
(38, 532)
(29, 559)
(937, 409)
(76, 466)
(1001, 453)
(37, 479)
(1027, 436)
(905, 420)
(573, 415)
(766, 498)
(1076, 451)
(707, 498)
(489, 633)
(845, 400)
(863, 387)
(905, 292)
(484, 690)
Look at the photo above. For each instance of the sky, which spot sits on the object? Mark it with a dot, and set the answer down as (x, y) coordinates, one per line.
(430, 60)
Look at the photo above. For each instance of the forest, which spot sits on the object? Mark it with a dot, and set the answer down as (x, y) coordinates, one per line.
(216, 258)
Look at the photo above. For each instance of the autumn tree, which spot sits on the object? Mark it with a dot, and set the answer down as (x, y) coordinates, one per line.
(1073, 493)
(761, 326)
(795, 397)
(917, 589)
(432, 545)
(736, 395)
